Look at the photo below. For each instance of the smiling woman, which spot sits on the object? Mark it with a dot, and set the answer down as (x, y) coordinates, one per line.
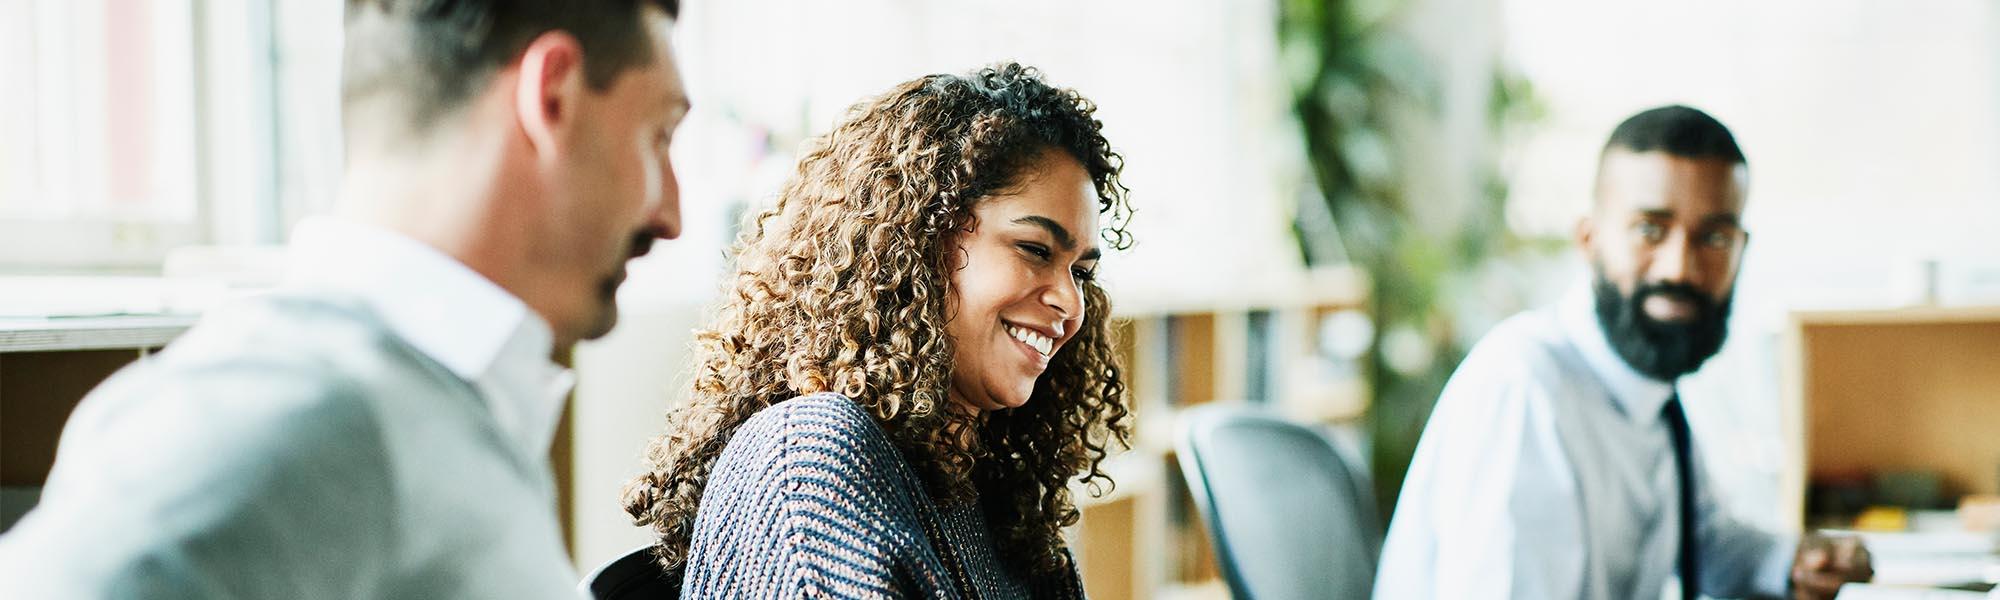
(913, 360)
(1019, 282)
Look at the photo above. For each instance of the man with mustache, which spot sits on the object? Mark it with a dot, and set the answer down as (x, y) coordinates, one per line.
(380, 427)
(1558, 462)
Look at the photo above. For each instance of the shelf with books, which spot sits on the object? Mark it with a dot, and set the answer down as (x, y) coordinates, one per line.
(1263, 343)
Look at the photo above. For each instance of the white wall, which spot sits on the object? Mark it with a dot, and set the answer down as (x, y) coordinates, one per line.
(1185, 89)
(625, 382)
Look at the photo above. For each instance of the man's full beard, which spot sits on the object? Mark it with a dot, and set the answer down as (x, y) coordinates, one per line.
(1660, 349)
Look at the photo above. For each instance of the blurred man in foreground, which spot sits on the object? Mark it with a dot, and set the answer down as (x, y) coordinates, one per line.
(380, 427)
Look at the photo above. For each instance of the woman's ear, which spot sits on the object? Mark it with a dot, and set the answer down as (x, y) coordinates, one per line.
(955, 244)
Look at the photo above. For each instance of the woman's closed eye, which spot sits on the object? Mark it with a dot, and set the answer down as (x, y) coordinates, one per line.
(1040, 252)
(1042, 255)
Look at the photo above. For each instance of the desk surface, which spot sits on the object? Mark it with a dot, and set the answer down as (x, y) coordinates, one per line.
(1865, 591)
(1936, 554)
(91, 333)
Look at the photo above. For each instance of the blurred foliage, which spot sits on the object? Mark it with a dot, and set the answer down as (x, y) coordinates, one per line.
(1355, 83)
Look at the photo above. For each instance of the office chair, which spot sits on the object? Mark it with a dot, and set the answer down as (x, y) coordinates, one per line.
(634, 576)
(1288, 517)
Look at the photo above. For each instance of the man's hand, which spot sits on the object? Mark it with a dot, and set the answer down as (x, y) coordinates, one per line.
(1823, 563)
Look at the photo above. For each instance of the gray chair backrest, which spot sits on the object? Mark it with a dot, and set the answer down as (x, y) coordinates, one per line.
(1288, 516)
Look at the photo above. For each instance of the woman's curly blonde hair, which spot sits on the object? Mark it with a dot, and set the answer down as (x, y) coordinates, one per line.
(844, 286)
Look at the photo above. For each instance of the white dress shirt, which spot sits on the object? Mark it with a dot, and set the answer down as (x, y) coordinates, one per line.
(447, 311)
(379, 428)
(1547, 471)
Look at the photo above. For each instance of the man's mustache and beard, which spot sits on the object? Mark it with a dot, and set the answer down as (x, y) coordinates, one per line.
(1660, 349)
(607, 290)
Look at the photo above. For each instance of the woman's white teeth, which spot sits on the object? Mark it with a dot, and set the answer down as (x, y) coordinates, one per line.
(1034, 340)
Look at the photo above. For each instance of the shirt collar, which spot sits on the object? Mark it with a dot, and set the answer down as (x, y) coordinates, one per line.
(1641, 397)
(445, 310)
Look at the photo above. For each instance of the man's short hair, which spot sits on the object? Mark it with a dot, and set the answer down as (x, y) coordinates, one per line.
(1677, 130)
(427, 57)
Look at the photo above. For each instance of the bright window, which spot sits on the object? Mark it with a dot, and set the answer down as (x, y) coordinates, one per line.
(102, 139)
(146, 125)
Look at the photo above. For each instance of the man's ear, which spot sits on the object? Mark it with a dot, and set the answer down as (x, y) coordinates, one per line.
(1585, 234)
(1737, 269)
(546, 93)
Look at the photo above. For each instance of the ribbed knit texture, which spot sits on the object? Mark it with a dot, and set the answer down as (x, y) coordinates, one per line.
(810, 499)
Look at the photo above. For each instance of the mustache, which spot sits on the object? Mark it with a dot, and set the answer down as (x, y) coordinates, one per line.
(642, 243)
(1674, 291)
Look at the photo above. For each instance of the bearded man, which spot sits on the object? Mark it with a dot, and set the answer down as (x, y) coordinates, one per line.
(1558, 462)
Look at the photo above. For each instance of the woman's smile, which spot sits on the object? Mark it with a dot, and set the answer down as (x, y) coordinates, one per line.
(1037, 345)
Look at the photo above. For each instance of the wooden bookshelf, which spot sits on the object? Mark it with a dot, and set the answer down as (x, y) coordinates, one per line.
(1887, 390)
(1255, 344)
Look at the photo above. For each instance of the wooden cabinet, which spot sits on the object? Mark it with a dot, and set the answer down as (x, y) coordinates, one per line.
(1869, 392)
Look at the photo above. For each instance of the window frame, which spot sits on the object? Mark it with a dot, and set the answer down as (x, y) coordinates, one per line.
(237, 194)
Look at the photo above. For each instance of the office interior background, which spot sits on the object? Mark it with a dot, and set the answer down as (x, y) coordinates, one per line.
(155, 153)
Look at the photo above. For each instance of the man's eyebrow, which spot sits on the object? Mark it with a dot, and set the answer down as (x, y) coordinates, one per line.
(1666, 214)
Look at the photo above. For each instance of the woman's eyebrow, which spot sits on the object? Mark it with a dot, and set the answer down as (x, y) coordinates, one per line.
(1055, 229)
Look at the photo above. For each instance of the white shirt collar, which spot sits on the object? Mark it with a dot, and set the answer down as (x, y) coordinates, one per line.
(448, 312)
(1641, 397)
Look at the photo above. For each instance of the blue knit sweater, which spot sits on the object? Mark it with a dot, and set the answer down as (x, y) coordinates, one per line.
(810, 499)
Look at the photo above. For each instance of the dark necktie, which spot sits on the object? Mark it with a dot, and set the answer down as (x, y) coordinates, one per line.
(1677, 427)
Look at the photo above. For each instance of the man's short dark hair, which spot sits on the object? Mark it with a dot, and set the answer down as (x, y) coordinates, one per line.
(1677, 130)
(430, 55)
